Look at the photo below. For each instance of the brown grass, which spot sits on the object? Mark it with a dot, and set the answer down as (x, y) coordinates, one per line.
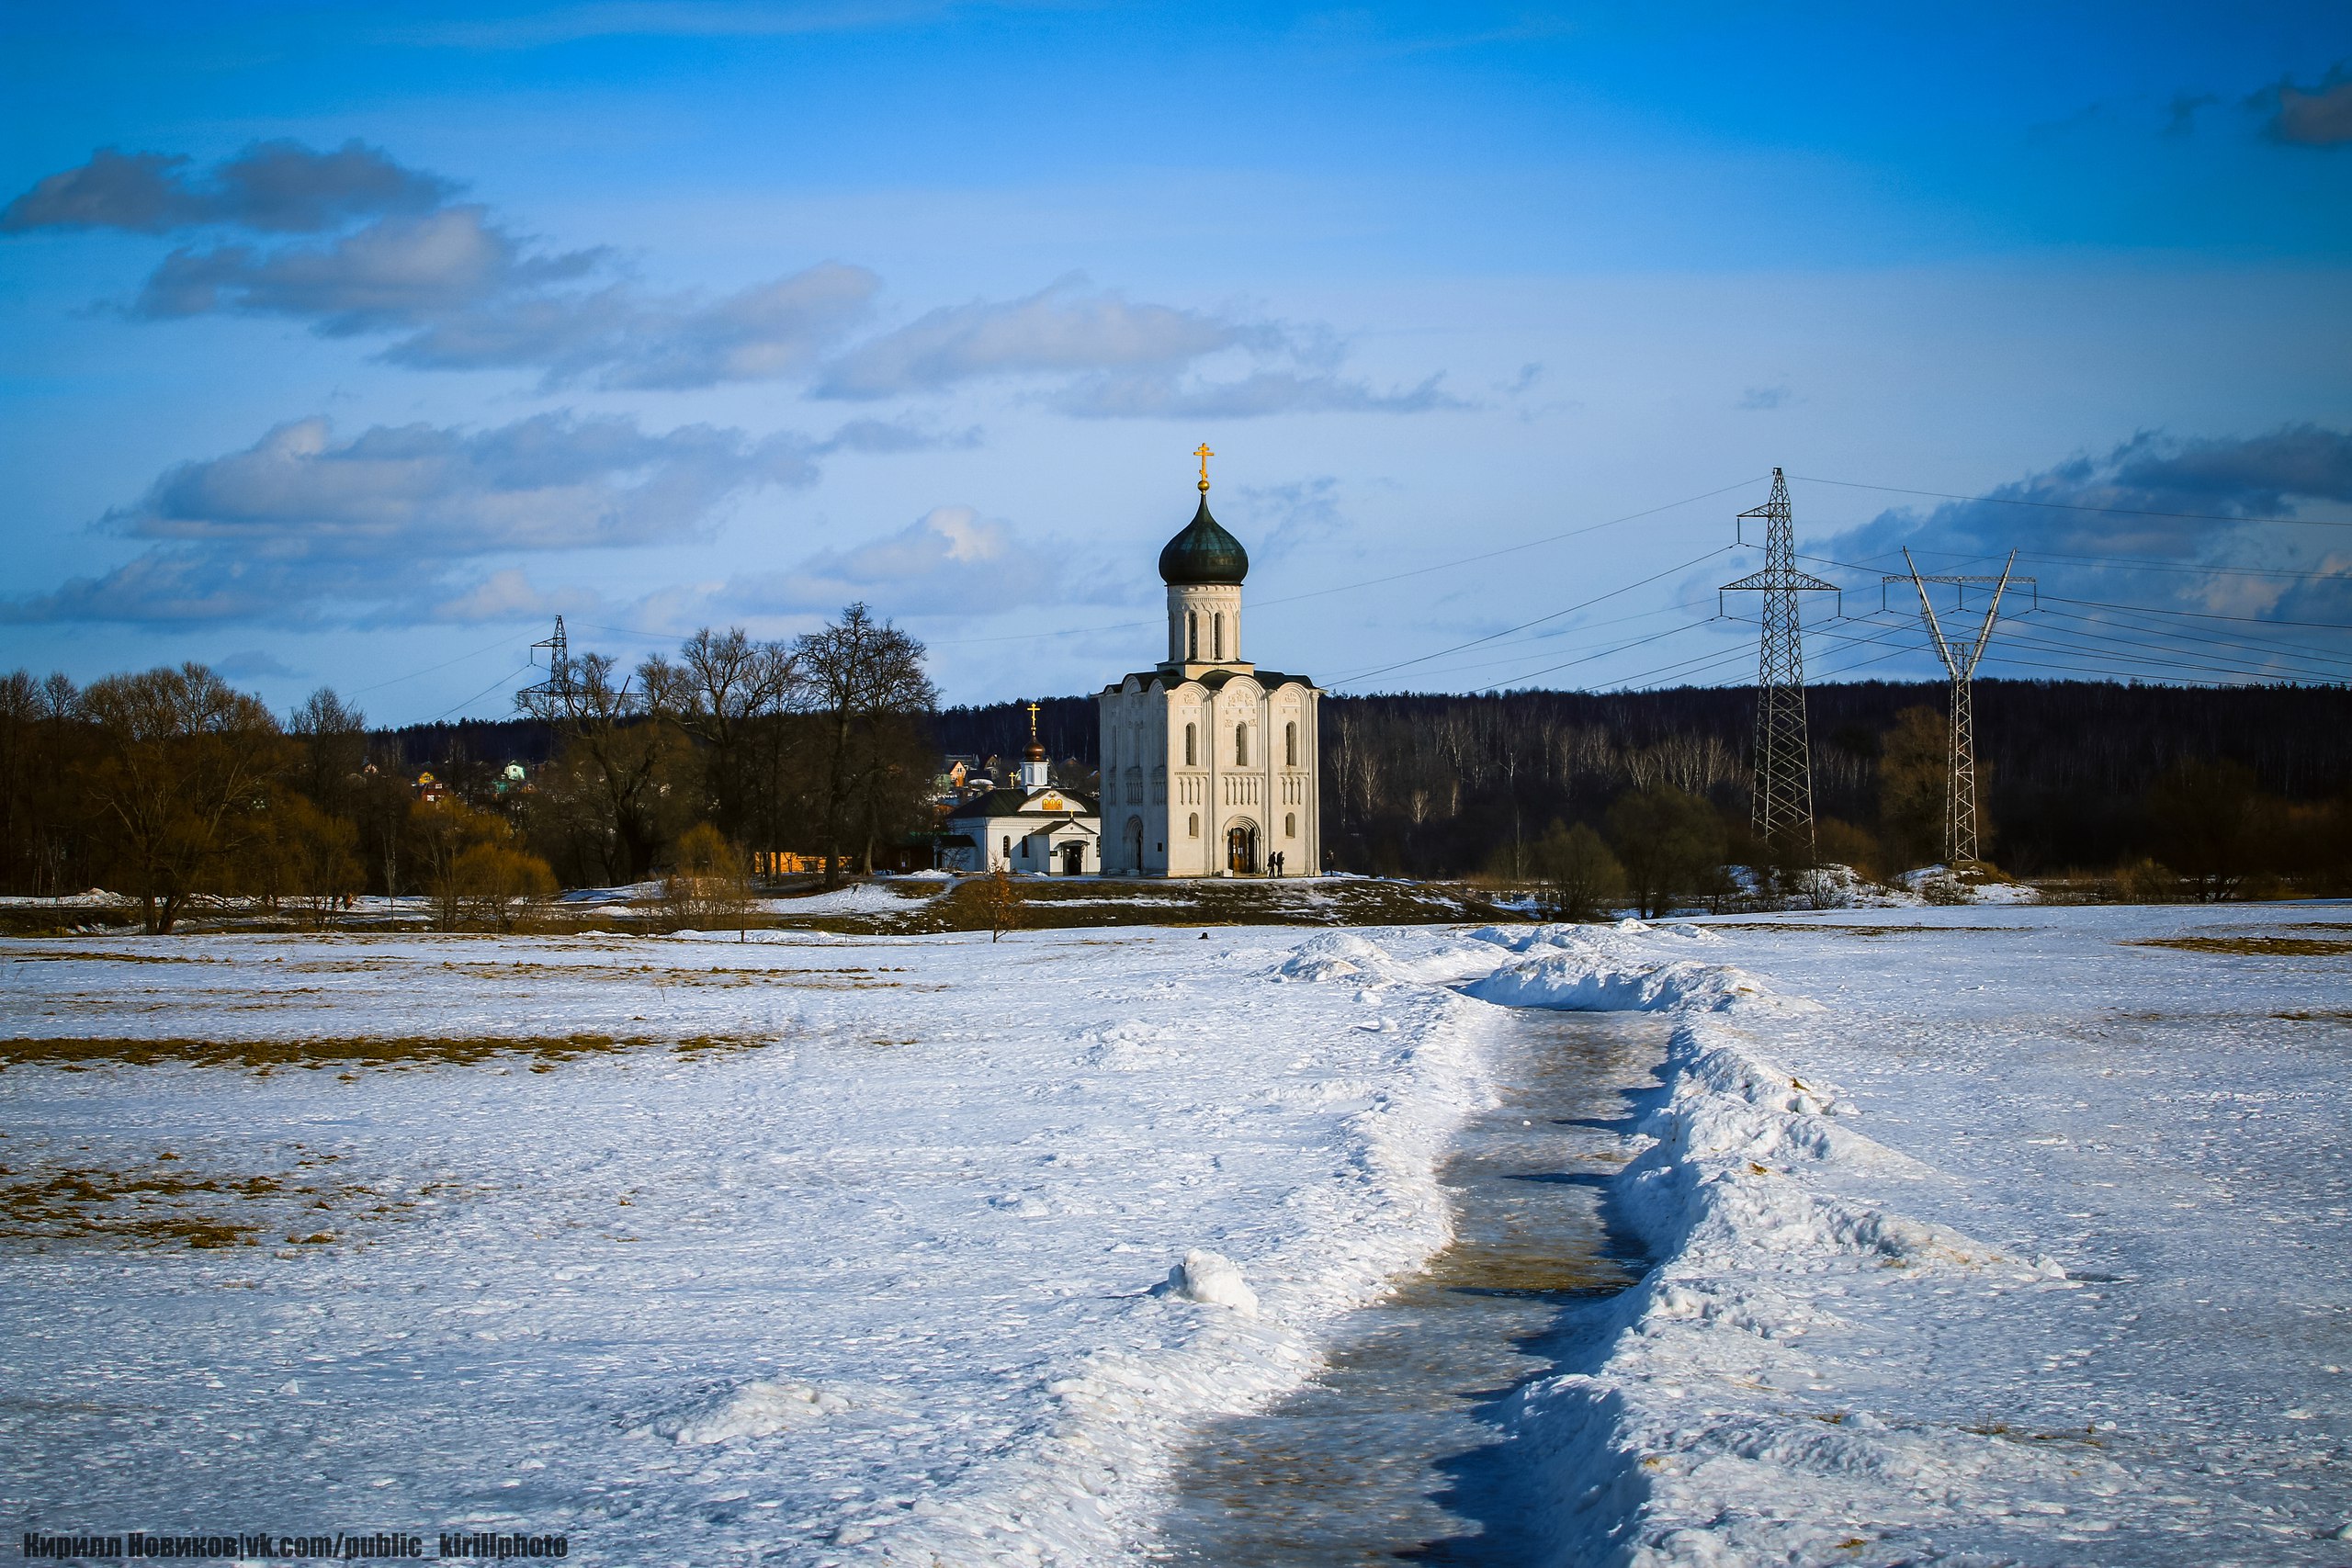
(163, 1206)
(2253, 946)
(79, 1053)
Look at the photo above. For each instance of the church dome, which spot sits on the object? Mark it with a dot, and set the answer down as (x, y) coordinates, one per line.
(1204, 553)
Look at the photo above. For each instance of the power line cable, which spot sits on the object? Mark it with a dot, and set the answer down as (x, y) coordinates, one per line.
(1475, 642)
(1392, 577)
(396, 680)
(477, 697)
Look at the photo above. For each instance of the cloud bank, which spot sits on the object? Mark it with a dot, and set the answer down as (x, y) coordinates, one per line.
(271, 187)
(2131, 552)
(303, 527)
(386, 252)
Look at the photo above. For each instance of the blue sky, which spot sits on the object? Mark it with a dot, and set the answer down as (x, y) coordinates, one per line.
(349, 346)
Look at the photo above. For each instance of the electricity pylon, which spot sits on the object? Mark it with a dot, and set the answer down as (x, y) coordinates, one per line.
(558, 681)
(1961, 840)
(1783, 806)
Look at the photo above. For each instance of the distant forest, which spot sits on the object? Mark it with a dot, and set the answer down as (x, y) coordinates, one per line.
(1446, 785)
(171, 785)
(1439, 785)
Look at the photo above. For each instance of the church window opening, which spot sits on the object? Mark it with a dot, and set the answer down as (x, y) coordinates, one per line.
(1191, 634)
(1008, 846)
(1216, 628)
(1241, 745)
(1290, 825)
(1192, 759)
(1290, 745)
(1192, 824)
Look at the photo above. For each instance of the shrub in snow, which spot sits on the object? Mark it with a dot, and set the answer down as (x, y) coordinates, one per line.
(1211, 1278)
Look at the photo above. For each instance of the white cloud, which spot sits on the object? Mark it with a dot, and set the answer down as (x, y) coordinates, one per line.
(1062, 327)
(950, 560)
(275, 187)
(1263, 392)
(395, 273)
(303, 526)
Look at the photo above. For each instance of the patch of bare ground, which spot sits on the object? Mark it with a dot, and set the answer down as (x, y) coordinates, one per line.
(166, 1203)
(2254, 946)
(1054, 904)
(1840, 930)
(351, 1053)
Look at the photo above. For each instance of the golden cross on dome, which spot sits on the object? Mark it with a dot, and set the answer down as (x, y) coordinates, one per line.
(1204, 454)
(1033, 724)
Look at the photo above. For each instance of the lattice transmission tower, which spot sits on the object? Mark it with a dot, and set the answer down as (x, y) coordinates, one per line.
(1783, 806)
(558, 685)
(1960, 799)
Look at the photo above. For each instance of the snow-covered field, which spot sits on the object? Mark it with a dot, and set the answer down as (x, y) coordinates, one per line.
(1981, 1234)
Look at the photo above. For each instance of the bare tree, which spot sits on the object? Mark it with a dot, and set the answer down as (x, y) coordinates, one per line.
(182, 773)
(723, 690)
(620, 745)
(861, 675)
(332, 736)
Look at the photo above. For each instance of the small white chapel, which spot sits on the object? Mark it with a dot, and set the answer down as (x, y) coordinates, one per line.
(1208, 762)
(1027, 826)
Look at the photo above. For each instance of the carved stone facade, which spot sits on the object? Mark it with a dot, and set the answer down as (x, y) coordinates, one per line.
(1208, 762)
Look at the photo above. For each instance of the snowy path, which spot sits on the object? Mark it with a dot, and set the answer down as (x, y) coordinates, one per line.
(1396, 1447)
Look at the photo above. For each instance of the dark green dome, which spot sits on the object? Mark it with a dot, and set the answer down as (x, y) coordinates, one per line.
(1203, 552)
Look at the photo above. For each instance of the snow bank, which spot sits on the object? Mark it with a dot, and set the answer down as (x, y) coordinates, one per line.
(1579, 969)
(1745, 1195)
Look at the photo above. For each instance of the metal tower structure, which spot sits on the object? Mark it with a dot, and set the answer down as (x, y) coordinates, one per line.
(1784, 809)
(558, 649)
(1961, 801)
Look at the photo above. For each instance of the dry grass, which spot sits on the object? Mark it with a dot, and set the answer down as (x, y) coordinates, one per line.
(1054, 903)
(2253, 946)
(79, 1053)
(165, 1205)
(1842, 930)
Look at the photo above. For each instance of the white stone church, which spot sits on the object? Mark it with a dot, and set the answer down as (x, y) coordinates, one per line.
(1208, 761)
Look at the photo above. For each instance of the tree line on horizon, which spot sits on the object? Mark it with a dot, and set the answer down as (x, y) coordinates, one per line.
(2173, 790)
(170, 786)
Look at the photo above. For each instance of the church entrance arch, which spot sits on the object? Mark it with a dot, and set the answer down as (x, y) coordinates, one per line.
(1135, 843)
(1073, 860)
(1242, 848)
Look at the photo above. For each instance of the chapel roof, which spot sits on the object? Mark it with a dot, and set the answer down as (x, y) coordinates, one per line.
(1015, 803)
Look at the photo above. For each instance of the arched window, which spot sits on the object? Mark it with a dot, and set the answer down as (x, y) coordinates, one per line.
(1241, 745)
(1192, 824)
(1191, 757)
(1191, 634)
(1216, 626)
(1290, 825)
(1290, 745)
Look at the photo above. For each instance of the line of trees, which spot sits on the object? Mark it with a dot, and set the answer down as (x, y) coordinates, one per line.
(171, 786)
(2078, 776)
